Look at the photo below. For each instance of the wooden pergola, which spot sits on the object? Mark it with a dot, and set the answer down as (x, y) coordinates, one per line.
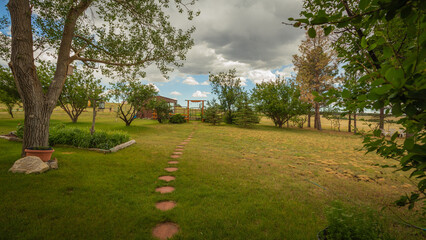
(194, 101)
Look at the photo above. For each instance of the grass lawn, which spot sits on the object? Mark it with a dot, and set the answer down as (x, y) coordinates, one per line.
(232, 183)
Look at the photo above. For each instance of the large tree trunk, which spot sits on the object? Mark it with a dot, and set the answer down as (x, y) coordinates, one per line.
(36, 123)
(38, 107)
(317, 117)
(350, 122)
(309, 119)
(382, 118)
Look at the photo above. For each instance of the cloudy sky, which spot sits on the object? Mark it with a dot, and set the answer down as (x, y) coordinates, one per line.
(244, 34)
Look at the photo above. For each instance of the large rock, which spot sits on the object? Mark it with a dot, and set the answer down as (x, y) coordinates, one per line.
(29, 165)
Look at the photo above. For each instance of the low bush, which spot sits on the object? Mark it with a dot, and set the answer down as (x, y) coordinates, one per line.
(60, 134)
(353, 223)
(177, 118)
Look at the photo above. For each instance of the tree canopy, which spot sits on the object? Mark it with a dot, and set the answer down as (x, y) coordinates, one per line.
(384, 41)
(227, 87)
(9, 95)
(119, 38)
(131, 97)
(278, 100)
(79, 88)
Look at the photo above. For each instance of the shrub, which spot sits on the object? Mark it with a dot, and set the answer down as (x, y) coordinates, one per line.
(245, 115)
(60, 134)
(178, 118)
(354, 223)
(83, 139)
(212, 114)
(20, 130)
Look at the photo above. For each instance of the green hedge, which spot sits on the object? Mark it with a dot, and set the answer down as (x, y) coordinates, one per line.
(77, 137)
(177, 118)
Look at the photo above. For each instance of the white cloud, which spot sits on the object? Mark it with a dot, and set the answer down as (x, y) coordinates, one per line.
(259, 76)
(200, 94)
(155, 87)
(243, 81)
(285, 72)
(205, 83)
(190, 81)
(175, 93)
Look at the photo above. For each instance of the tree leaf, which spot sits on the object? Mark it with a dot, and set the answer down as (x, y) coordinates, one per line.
(395, 76)
(363, 42)
(312, 33)
(327, 30)
(383, 89)
(363, 4)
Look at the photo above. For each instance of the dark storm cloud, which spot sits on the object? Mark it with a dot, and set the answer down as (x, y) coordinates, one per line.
(249, 31)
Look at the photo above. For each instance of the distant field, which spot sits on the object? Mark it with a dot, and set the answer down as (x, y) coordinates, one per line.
(232, 183)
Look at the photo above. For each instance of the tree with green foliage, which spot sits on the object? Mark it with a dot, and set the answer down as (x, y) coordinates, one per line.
(213, 113)
(227, 87)
(385, 41)
(245, 116)
(9, 95)
(161, 108)
(131, 96)
(118, 37)
(79, 88)
(278, 100)
(316, 68)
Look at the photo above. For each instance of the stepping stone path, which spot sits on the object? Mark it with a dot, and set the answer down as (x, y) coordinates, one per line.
(167, 178)
(167, 230)
(166, 189)
(165, 205)
(171, 169)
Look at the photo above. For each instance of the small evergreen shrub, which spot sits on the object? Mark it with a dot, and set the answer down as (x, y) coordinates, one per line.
(212, 114)
(177, 118)
(245, 116)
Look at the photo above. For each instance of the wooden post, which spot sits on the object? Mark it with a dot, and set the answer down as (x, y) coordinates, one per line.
(187, 111)
(202, 111)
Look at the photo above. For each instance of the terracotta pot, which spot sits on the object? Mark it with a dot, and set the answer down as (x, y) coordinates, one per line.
(44, 155)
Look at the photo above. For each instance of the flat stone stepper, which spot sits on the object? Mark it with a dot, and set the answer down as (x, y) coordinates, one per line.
(165, 205)
(167, 178)
(166, 189)
(165, 230)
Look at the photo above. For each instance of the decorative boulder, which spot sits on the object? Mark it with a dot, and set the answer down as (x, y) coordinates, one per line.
(29, 165)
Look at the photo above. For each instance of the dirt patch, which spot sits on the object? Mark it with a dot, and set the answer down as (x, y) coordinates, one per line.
(171, 169)
(172, 162)
(67, 153)
(167, 178)
(175, 156)
(364, 178)
(177, 153)
(183, 143)
(166, 189)
(165, 205)
(165, 230)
